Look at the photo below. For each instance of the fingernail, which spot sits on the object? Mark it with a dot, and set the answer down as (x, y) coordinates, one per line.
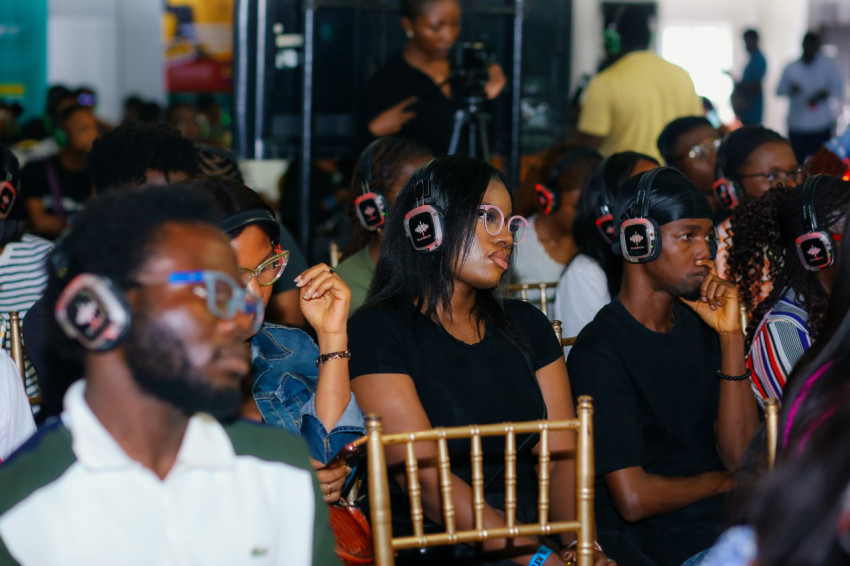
(316, 295)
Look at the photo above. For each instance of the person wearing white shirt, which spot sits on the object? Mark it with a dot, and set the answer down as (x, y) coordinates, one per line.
(812, 83)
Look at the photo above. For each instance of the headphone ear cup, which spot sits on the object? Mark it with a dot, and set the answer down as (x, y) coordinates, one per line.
(94, 311)
(548, 200)
(371, 210)
(640, 240)
(815, 250)
(61, 138)
(424, 228)
(727, 192)
(611, 41)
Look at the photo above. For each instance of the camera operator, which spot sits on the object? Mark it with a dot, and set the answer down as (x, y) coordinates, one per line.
(413, 95)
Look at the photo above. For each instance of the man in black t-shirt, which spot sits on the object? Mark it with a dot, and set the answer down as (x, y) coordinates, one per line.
(664, 362)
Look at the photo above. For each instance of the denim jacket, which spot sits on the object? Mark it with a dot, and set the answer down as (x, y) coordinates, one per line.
(285, 381)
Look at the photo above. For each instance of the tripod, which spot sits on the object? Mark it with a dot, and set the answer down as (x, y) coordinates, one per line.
(475, 122)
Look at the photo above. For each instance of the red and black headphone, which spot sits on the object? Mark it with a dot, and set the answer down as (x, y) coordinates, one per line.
(815, 246)
(371, 206)
(548, 194)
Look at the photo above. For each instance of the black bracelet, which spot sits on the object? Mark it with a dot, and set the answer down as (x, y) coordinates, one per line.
(725, 377)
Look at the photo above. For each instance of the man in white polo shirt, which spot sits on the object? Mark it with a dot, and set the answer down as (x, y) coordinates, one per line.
(138, 470)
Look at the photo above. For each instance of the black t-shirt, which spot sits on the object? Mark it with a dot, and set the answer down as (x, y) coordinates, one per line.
(462, 384)
(396, 81)
(75, 187)
(655, 400)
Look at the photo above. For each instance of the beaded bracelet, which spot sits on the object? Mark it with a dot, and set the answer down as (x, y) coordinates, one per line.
(725, 377)
(332, 356)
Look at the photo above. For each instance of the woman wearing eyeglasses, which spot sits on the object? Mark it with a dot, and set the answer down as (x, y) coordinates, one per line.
(298, 385)
(751, 161)
(775, 231)
(435, 345)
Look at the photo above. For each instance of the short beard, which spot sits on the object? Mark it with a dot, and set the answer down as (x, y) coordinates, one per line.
(157, 360)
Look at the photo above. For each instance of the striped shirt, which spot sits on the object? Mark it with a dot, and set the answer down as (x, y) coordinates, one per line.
(780, 340)
(23, 277)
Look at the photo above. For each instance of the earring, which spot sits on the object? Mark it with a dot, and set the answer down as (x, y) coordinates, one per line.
(409, 33)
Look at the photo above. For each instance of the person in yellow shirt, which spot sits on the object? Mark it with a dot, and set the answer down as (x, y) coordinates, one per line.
(627, 105)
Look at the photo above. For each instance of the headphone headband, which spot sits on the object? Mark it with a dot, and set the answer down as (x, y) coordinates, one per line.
(572, 155)
(250, 216)
(366, 164)
(809, 215)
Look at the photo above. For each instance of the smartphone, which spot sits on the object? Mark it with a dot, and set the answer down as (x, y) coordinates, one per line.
(349, 454)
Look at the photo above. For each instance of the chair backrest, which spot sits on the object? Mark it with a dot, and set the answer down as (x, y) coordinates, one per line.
(333, 252)
(771, 424)
(557, 327)
(16, 351)
(524, 288)
(385, 544)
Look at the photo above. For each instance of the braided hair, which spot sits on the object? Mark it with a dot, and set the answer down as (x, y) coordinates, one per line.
(764, 232)
(385, 164)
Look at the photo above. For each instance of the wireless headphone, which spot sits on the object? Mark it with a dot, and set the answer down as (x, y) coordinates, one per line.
(604, 219)
(548, 194)
(93, 310)
(424, 224)
(11, 177)
(370, 207)
(728, 193)
(640, 237)
(814, 247)
(250, 216)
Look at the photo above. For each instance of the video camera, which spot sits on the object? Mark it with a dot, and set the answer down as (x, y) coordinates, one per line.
(470, 70)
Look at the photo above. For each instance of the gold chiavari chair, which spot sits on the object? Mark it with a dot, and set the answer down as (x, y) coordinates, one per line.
(333, 252)
(771, 424)
(524, 288)
(569, 341)
(16, 351)
(385, 544)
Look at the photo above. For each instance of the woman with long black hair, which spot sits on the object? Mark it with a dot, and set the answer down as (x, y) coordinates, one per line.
(434, 345)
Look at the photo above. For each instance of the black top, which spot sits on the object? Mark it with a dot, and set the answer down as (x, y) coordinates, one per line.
(74, 186)
(459, 383)
(398, 80)
(655, 400)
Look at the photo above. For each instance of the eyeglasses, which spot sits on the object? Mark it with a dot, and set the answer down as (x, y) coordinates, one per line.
(224, 296)
(267, 272)
(796, 176)
(704, 149)
(494, 221)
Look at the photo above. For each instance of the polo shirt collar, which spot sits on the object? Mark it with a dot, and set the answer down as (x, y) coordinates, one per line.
(205, 443)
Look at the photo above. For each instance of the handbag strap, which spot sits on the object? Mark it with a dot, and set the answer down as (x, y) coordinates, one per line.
(55, 192)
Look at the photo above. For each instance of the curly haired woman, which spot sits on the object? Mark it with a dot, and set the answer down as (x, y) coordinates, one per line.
(772, 231)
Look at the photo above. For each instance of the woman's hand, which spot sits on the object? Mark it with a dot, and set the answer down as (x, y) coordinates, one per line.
(496, 81)
(718, 302)
(331, 481)
(393, 119)
(324, 300)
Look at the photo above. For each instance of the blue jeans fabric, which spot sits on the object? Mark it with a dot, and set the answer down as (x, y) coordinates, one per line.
(285, 381)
